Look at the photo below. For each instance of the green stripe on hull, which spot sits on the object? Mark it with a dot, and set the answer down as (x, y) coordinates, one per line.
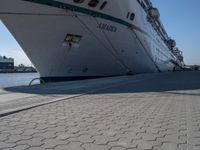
(88, 12)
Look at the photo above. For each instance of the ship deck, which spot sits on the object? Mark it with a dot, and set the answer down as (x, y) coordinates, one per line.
(158, 111)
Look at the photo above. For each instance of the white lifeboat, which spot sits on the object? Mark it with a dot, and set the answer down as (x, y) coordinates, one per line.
(171, 43)
(154, 12)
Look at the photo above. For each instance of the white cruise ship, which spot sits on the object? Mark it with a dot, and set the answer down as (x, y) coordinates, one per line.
(72, 39)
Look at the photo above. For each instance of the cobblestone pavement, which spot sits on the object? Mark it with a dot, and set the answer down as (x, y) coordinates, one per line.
(111, 120)
(17, 98)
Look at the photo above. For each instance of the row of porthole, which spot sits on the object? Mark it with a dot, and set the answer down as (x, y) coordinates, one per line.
(84, 70)
(93, 3)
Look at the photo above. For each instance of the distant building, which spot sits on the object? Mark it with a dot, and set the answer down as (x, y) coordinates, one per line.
(192, 67)
(23, 68)
(6, 63)
(195, 67)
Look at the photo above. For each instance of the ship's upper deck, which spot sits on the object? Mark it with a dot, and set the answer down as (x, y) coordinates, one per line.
(4, 59)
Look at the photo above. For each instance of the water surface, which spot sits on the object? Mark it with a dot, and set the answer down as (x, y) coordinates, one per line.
(16, 79)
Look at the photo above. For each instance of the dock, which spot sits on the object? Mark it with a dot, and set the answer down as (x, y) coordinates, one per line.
(159, 111)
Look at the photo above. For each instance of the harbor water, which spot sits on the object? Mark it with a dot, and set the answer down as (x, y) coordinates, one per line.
(16, 79)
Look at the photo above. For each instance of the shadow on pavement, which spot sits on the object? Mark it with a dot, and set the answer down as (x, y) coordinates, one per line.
(157, 82)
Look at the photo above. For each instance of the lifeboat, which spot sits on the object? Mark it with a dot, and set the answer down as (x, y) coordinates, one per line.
(154, 12)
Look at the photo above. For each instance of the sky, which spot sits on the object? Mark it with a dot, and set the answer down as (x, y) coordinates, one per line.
(10, 48)
(180, 18)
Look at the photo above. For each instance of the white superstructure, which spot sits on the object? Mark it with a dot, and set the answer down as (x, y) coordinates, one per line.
(90, 38)
(6, 63)
(4, 59)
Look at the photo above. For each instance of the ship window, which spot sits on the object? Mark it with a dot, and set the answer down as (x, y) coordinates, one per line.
(132, 17)
(93, 3)
(79, 1)
(128, 14)
(103, 5)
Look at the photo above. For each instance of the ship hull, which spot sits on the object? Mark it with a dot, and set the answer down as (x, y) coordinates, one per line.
(41, 31)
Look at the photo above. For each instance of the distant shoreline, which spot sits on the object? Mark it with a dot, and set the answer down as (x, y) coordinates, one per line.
(2, 72)
(19, 69)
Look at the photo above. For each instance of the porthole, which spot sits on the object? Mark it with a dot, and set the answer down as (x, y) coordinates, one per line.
(79, 1)
(132, 17)
(93, 3)
(103, 5)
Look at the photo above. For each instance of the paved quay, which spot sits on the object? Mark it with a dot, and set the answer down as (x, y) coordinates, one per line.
(141, 112)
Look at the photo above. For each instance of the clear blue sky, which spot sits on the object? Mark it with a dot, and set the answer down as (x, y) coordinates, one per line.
(10, 48)
(180, 18)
